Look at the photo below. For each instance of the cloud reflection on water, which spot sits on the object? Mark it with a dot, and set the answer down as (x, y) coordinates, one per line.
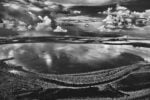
(50, 57)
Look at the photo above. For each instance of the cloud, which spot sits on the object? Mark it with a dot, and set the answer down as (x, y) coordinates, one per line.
(85, 2)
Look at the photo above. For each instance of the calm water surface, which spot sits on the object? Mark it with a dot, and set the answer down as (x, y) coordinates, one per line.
(72, 58)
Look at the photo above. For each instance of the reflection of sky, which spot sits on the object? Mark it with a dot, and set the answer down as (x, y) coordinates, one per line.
(44, 57)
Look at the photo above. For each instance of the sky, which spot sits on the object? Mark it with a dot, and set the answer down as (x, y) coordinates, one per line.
(86, 2)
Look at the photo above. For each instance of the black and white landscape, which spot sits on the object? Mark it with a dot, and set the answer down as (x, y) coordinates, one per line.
(74, 49)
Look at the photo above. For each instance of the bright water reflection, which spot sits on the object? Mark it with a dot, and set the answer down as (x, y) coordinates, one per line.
(72, 58)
